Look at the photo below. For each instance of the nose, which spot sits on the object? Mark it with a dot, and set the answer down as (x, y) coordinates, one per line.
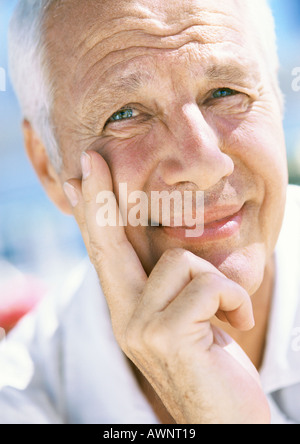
(195, 156)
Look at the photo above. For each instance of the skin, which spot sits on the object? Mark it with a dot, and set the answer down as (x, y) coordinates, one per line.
(162, 60)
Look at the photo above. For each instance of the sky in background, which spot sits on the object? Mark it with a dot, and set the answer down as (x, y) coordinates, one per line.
(34, 235)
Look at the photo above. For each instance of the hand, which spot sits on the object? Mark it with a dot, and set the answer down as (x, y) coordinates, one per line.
(162, 322)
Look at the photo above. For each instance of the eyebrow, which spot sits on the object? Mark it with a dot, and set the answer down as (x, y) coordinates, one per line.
(229, 72)
(106, 96)
(134, 81)
(234, 72)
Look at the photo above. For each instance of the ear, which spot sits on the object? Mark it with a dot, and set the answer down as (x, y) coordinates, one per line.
(44, 169)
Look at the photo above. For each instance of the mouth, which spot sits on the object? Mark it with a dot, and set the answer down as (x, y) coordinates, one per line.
(219, 223)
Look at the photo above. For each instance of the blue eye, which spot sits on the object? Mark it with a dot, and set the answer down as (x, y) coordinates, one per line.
(224, 92)
(123, 114)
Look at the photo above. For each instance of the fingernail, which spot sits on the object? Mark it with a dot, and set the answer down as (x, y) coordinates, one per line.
(71, 194)
(86, 165)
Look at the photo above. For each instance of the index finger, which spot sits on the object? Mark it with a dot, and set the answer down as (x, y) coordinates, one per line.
(121, 273)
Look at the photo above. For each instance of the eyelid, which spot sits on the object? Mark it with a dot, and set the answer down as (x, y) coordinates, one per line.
(238, 103)
(235, 92)
(123, 108)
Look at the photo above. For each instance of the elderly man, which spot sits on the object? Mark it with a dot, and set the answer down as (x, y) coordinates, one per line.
(160, 96)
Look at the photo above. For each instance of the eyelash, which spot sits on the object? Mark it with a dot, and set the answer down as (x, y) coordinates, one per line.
(122, 111)
(222, 91)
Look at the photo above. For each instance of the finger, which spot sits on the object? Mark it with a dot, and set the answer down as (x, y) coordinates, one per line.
(209, 293)
(174, 270)
(179, 282)
(121, 273)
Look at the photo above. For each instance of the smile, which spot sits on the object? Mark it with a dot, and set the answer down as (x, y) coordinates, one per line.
(215, 227)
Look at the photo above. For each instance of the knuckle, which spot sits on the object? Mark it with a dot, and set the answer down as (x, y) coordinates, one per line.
(212, 286)
(149, 339)
(88, 196)
(210, 278)
(174, 255)
(156, 337)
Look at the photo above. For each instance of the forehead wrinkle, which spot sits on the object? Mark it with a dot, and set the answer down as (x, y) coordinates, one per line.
(230, 71)
(93, 94)
(92, 43)
(170, 37)
(149, 22)
(99, 55)
(139, 51)
(139, 17)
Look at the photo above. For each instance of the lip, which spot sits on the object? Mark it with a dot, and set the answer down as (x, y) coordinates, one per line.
(219, 224)
(214, 215)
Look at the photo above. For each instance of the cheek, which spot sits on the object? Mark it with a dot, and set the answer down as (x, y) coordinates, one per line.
(132, 161)
(260, 146)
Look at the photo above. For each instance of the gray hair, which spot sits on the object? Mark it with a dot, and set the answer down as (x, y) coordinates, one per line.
(27, 71)
(28, 66)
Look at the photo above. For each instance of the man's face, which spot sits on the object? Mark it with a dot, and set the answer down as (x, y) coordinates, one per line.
(198, 112)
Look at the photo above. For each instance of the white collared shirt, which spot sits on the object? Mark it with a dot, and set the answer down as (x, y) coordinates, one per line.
(63, 365)
(280, 372)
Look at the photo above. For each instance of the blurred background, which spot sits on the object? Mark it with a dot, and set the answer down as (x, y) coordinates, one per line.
(38, 244)
(35, 238)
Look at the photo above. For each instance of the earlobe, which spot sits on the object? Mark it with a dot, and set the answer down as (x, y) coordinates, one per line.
(44, 169)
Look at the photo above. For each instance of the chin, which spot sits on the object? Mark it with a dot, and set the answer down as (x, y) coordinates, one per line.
(245, 267)
(243, 263)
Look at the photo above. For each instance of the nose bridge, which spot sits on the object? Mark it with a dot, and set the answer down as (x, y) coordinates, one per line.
(193, 133)
(195, 154)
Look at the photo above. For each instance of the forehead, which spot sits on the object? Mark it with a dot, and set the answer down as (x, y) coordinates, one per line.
(105, 27)
(163, 12)
(116, 40)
